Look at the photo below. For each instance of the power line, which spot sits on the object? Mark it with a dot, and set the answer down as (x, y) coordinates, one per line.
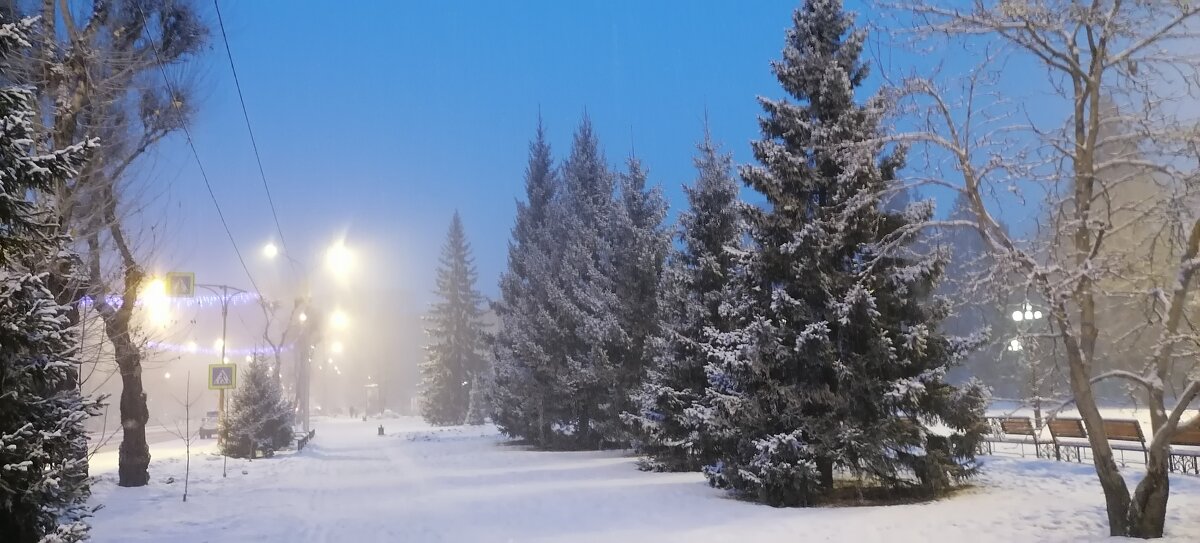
(191, 144)
(253, 142)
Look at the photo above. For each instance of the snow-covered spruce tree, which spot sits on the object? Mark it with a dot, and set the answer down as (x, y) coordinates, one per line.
(259, 417)
(43, 444)
(526, 345)
(838, 362)
(454, 356)
(640, 244)
(690, 296)
(583, 297)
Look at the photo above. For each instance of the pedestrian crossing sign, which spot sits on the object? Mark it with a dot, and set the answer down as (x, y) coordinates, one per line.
(181, 284)
(222, 376)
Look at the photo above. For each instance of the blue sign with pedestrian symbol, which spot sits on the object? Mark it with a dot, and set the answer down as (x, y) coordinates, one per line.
(222, 376)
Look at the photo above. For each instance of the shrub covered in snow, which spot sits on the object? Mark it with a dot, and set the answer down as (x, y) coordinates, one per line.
(259, 418)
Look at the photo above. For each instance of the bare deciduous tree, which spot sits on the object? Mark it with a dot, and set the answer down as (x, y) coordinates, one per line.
(98, 71)
(1138, 61)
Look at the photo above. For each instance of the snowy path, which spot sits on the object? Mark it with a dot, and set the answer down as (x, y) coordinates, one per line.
(464, 484)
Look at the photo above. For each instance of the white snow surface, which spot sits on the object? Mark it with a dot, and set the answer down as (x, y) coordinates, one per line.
(467, 484)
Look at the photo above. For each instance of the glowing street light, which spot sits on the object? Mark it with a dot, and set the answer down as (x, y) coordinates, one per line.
(155, 300)
(1025, 317)
(270, 250)
(218, 343)
(155, 290)
(249, 358)
(303, 316)
(192, 347)
(167, 375)
(339, 260)
(339, 319)
(337, 347)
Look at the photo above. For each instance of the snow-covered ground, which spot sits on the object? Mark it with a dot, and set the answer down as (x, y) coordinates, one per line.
(465, 484)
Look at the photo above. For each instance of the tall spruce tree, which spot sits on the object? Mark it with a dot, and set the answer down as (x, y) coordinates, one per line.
(640, 245)
(838, 361)
(583, 298)
(690, 296)
(454, 357)
(43, 444)
(526, 346)
(259, 417)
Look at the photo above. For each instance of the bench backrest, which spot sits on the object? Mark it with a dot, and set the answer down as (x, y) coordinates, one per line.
(1066, 428)
(1190, 436)
(1017, 426)
(1124, 430)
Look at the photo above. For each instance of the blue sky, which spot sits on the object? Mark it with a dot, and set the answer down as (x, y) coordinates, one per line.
(377, 120)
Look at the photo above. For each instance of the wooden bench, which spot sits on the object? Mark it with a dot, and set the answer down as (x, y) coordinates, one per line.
(1125, 435)
(1189, 439)
(1068, 434)
(1018, 430)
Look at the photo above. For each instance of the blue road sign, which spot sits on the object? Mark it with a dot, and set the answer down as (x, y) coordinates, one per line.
(222, 376)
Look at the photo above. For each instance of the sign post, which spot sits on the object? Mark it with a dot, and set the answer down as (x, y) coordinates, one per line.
(222, 377)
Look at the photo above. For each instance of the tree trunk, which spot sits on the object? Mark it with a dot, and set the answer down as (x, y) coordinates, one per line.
(134, 459)
(825, 470)
(584, 431)
(1116, 493)
(1148, 511)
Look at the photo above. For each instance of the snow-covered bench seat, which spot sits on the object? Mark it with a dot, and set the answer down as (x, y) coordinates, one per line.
(1125, 435)
(1068, 434)
(1016, 430)
(1185, 451)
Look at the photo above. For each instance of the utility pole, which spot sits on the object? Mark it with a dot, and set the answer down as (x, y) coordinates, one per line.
(304, 352)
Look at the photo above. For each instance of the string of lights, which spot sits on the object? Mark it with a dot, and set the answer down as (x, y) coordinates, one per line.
(241, 298)
(192, 347)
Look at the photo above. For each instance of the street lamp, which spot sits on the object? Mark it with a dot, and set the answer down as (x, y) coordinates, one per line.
(270, 250)
(192, 347)
(156, 303)
(339, 319)
(303, 316)
(339, 260)
(1024, 318)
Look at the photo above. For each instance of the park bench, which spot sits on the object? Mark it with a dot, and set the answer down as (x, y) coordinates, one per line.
(1125, 435)
(1185, 451)
(1068, 435)
(1015, 430)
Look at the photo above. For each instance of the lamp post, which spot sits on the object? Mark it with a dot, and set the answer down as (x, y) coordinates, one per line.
(223, 291)
(339, 261)
(1024, 319)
